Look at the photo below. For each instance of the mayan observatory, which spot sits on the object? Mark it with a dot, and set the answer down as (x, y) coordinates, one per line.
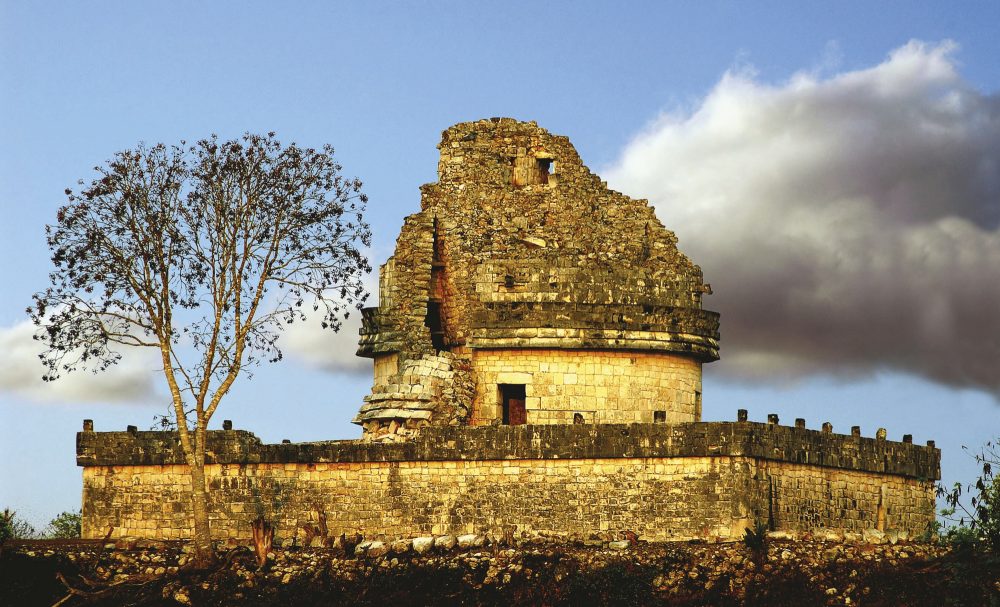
(537, 354)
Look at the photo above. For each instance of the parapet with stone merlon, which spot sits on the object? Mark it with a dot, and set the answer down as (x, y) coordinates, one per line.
(766, 441)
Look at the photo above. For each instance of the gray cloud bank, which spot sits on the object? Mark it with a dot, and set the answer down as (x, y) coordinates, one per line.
(324, 349)
(135, 377)
(848, 224)
(130, 381)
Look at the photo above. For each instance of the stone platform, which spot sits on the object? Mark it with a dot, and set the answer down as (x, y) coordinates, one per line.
(707, 480)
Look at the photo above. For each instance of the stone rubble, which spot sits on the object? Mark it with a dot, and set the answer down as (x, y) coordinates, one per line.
(820, 572)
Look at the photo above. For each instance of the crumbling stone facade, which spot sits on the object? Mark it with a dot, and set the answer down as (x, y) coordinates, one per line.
(537, 357)
(523, 265)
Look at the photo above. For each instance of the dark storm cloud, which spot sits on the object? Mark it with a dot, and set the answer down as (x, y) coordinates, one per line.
(848, 224)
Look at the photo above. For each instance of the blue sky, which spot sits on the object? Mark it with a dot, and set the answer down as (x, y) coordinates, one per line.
(644, 94)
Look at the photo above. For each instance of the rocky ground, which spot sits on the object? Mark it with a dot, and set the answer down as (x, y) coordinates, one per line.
(441, 572)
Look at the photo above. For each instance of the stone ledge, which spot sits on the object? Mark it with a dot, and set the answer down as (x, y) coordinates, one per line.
(536, 442)
(703, 349)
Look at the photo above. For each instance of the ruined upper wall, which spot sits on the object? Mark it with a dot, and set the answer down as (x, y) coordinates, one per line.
(518, 235)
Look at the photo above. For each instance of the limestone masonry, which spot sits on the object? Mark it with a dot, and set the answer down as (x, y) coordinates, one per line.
(537, 356)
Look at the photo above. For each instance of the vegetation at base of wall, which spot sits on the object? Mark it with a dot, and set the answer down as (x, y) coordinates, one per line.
(14, 528)
(975, 524)
(756, 540)
(64, 526)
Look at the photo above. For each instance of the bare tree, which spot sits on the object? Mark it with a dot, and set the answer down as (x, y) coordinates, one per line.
(203, 252)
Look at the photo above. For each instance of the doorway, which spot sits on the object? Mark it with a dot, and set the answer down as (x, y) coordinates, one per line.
(512, 398)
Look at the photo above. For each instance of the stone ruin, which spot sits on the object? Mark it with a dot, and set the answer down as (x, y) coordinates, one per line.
(537, 355)
(526, 291)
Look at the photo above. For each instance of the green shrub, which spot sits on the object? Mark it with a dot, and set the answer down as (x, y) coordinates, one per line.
(13, 528)
(756, 540)
(64, 526)
(978, 522)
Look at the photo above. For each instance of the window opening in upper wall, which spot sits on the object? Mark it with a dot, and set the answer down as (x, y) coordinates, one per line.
(544, 168)
(659, 417)
(512, 397)
(528, 170)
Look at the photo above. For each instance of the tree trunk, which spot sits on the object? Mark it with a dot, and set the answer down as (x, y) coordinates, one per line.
(202, 537)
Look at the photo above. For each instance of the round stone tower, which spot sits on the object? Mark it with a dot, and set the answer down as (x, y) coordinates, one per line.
(526, 291)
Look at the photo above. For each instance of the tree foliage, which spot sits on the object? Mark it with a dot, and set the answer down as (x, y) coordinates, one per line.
(13, 528)
(214, 227)
(979, 521)
(203, 253)
(66, 525)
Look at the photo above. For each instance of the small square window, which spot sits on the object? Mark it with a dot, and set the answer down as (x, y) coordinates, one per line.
(544, 168)
(528, 170)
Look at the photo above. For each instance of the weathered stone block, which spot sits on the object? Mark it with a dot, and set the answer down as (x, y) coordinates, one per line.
(444, 542)
(423, 545)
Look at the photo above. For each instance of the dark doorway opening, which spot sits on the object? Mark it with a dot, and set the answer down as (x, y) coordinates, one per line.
(512, 399)
(433, 322)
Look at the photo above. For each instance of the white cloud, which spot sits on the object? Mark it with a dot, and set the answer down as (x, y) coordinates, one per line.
(847, 224)
(132, 380)
(322, 348)
(135, 377)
